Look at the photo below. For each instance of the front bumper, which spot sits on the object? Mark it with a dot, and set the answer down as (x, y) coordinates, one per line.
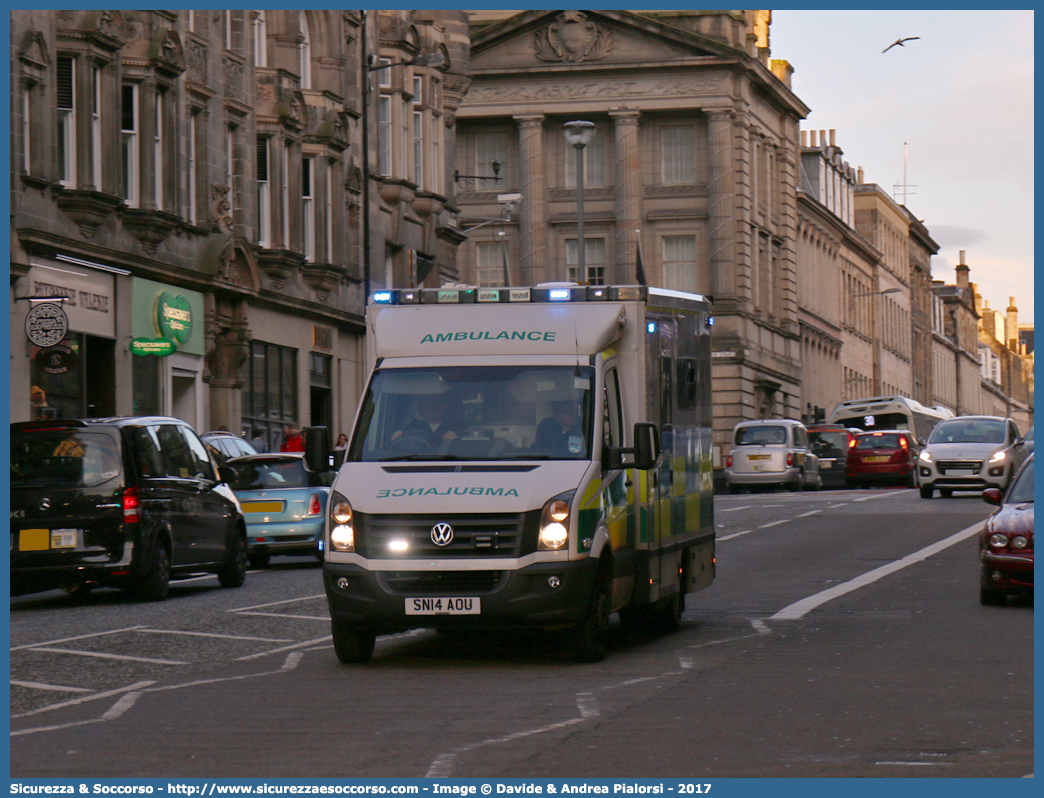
(988, 476)
(789, 475)
(376, 600)
(1007, 571)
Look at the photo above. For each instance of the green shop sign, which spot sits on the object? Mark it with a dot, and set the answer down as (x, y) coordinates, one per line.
(174, 317)
(161, 347)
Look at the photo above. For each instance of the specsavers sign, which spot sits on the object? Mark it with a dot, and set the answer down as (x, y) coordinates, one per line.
(166, 319)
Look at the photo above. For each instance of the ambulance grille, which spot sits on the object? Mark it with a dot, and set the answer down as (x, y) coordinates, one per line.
(491, 535)
(416, 583)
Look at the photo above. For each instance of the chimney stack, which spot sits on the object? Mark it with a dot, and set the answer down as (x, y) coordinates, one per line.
(832, 138)
(1012, 330)
(804, 139)
(859, 176)
(962, 272)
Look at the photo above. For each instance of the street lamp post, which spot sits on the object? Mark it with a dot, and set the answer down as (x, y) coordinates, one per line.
(578, 135)
(432, 59)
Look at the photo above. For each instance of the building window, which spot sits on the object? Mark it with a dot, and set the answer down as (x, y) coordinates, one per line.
(308, 208)
(264, 195)
(418, 148)
(679, 156)
(284, 191)
(436, 165)
(594, 261)
(260, 39)
(418, 90)
(329, 205)
(96, 129)
(230, 167)
(159, 159)
(27, 104)
(384, 79)
(129, 164)
(594, 163)
(384, 131)
(490, 263)
(270, 396)
(228, 30)
(66, 121)
(489, 147)
(679, 263)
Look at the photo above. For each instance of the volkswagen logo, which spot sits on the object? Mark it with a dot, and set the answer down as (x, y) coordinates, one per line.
(45, 504)
(442, 534)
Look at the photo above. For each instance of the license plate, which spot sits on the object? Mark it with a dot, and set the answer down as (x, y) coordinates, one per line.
(826, 464)
(876, 459)
(955, 472)
(443, 605)
(262, 507)
(34, 540)
(758, 456)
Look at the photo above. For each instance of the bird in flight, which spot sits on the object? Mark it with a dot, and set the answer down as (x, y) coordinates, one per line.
(900, 43)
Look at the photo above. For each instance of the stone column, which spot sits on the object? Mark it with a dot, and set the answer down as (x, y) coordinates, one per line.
(532, 212)
(628, 195)
(721, 204)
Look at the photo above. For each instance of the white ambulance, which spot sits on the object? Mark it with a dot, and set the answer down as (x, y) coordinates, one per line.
(524, 457)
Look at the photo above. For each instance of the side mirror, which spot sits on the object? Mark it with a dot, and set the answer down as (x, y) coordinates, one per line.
(317, 448)
(992, 496)
(646, 445)
(227, 474)
(922, 442)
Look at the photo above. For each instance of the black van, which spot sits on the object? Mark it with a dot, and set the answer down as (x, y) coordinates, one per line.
(122, 502)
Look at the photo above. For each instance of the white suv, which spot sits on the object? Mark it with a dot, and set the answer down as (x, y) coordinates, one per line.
(970, 453)
(771, 453)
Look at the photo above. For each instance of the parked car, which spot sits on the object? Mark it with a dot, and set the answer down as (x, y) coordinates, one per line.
(970, 453)
(1006, 542)
(224, 445)
(284, 503)
(1027, 439)
(771, 453)
(830, 444)
(123, 502)
(884, 456)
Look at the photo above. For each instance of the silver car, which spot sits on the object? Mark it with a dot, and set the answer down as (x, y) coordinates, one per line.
(771, 453)
(970, 453)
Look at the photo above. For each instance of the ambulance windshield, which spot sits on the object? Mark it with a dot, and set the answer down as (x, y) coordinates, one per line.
(476, 413)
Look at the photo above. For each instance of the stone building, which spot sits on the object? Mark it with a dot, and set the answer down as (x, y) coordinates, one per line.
(1005, 366)
(955, 353)
(189, 187)
(694, 158)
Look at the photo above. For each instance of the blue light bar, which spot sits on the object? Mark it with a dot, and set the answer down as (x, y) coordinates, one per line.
(651, 327)
(382, 297)
(558, 294)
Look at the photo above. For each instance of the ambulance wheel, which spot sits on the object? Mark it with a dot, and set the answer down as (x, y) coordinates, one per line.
(352, 645)
(591, 639)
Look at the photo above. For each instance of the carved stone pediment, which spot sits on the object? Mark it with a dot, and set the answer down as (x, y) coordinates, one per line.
(150, 227)
(89, 209)
(571, 38)
(323, 277)
(33, 52)
(293, 110)
(167, 53)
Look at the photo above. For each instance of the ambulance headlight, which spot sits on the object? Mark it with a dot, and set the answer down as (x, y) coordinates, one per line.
(554, 523)
(342, 526)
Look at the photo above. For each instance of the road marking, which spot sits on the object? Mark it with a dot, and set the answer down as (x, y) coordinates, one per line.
(85, 699)
(126, 702)
(78, 637)
(588, 705)
(919, 764)
(810, 512)
(101, 655)
(221, 637)
(734, 535)
(285, 648)
(285, 615)
(56, 687)
(883, 495)
(774, 523)
(843, 504)
(277, 603)
(801, 608)
(734, 509)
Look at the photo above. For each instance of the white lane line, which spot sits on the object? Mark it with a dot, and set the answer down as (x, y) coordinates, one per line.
(56, 687)
(734, 509)
(685, 660)
(810, 512)
(883, 495)
(284, 615)
(85, 699)
(774, 523)
(101, 655)
(78, 637)
(277, 603)
(734, 535)
(919, 764)
(799, 609)
(121, 706)
(210, 634)
(443, 764)
(293, 659)
(285, 648)
(843, 504)
(588, 705)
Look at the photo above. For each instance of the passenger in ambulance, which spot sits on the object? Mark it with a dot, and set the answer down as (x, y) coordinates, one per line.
(560, 433)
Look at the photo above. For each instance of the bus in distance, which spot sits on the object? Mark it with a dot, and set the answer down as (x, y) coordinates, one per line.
(889, 412)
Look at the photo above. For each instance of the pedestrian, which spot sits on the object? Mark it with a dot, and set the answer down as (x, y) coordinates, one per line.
(293, 441)
(342, 443)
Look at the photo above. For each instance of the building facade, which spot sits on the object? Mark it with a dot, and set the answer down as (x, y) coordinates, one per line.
(187, 190)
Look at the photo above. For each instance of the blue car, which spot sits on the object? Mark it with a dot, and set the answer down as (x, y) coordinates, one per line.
(284, 504)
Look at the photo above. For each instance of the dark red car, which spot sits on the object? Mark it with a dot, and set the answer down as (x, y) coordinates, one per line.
(1006, 542)
(884, 456)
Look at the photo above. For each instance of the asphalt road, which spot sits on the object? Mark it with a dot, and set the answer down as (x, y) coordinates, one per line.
(843, 637)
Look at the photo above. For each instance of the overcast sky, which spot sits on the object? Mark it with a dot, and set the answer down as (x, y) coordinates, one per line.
(960, 97)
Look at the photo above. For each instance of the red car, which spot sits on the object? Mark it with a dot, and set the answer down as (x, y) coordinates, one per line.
(885, 456)
(1006, 542)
